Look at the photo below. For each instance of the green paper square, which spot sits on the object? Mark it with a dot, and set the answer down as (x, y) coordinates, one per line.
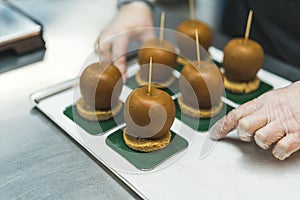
(179, 67)
(142, 160)
(218, 64)
(197, 123)
(243, 98)
(93, 128)
(172, 90)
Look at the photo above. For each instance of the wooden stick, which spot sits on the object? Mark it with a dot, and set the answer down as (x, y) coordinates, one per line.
(162, 24)
(248, 25)
(99, 54)
(197, 46)
(150, 77)
(192, 9)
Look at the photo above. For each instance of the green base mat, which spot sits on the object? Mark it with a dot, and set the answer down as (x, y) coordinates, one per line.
(179, 67)
(243, 98)
(141, 160)
(93, 128)
(172, 90)
(218, 64)
(200, 124)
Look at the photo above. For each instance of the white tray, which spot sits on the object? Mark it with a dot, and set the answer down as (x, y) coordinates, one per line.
(231, 169)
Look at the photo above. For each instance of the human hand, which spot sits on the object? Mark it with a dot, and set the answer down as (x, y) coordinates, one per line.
(274, 117)
(130, 17)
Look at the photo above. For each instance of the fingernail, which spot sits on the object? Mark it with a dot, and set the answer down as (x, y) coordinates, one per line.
(259, 141)
(243, 135)
(214, 132)
(280, 153)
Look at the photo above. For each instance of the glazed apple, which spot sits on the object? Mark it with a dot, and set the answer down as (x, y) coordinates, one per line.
(164, 59)
(204, 82)
(188, 28)
(101, 85)
(242, 59)
(149, 116)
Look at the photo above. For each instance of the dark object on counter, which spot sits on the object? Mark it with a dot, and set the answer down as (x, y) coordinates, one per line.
(21, 40)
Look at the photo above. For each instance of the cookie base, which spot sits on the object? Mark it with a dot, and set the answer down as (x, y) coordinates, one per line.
(165, 84)
(89, 113)
(203, 113)
(146, 145)
(241, 87)
(182, 61)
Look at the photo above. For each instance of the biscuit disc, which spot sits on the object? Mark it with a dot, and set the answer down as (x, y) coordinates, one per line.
(166, 84)
(182, 61)
(203, 113)
(241, 87)
(89, 113)
(146, 145)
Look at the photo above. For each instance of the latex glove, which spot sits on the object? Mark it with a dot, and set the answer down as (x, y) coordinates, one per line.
(131, 16)
(274, 117)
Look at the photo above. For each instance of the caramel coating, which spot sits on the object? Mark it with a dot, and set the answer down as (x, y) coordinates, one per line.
(204, 82)
(164, 59)
(242, 59)
(205, 34)
(137, 113)
(101, 85)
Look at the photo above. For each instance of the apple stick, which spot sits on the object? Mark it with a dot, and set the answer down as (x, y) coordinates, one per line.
(162, 24)
(150, 77)
(248, 25)
(192, 9)
(197, 46)
(99, 54)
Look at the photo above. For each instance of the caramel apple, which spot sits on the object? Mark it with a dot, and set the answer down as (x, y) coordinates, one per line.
(100, 87)
(201, 88)
(242, 59)
(188, 27)
(164, 61)
(148, 118)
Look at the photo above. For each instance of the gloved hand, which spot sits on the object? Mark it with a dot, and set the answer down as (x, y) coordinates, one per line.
(131, 16)
(274, 117)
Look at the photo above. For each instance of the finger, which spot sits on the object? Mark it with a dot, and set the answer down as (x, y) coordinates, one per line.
(286, 146)
(105, 46)
(220, 129)
(246, 109)
(243, 135)
(230, 121)
(119, 49)
(251, 123)
(121, 64)
(269, 134)
(105, 51)
(120, 46)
